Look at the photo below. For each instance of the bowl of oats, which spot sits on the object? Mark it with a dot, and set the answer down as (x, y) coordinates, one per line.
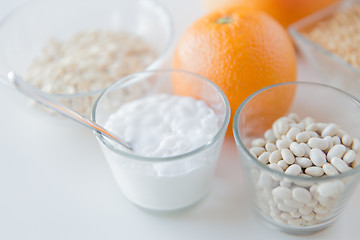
(328, 41)
(75, 49)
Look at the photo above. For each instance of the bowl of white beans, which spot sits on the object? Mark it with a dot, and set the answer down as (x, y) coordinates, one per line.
(302, 170)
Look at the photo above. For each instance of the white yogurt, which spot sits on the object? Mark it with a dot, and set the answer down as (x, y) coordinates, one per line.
(162, 126)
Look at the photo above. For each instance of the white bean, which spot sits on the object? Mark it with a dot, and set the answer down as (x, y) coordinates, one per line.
(306, 148)
(303, 162)
(285, 183)
(308, 121)
(308, 217)
(329, 140)
(270, 147)
(293, 170)
(283, 143)
(295, 117)
(287, 156)
(291, 134)
(327, 189)
(283, 164)
(264, 157)
(337, 150)
(296, 149)
(257, 151)
(258, 142)
(356, 145)
(281, 193)
(321, 126)
(312, 127)
(265, 180)
(275, 167)
(293, 203)
(312, 203)
(301, 195)
(318, 157)
(355, 163)
(320, 209)
(286, 208)
(329, 130)
(305, 136)
(303, 183)
(349, 156)
(275, 156)
(314, 171)
(316, 142)
(340, 165)
(329, 169)
(340, 132)
(346, 140)
(269, 136)
(300, 125)
(281, 126)
(305, 210)
(336, 140)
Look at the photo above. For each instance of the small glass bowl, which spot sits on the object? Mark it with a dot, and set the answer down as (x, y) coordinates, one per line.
(163, 183)
(324, 104)
(333, 70)
(25, 32)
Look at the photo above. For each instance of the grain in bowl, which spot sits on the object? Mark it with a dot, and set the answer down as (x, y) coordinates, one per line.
(339, 34)
(88, 62)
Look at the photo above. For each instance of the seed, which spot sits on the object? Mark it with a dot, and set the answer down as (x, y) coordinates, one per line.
(314, 171)
(275, 156)
(340, 165)
(316, 142)
(270, 147)
(296, 149)
(283, 143)
(329, 169)
(305, 136)
(303, 162)
(257, 151)
(349, 156)
(329, 130)
(287, 156)
(293, 169)
(258, 142)
(318, 157)
(301, 195)
(337, 150)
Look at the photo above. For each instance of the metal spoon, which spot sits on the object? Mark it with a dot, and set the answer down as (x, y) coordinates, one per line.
(46, 100)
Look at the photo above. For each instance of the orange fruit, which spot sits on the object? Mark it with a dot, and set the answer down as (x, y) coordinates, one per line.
(240, 49)
(284, 11)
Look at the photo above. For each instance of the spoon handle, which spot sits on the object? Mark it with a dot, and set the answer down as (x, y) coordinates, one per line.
(46, 100)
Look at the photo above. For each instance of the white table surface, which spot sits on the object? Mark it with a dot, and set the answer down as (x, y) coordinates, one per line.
(56, 184)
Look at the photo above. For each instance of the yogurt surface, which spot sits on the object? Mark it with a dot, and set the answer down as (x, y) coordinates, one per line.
(164, 125)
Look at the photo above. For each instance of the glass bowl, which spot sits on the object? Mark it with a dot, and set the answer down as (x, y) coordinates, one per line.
(324, 104)
(163, 183)
(25, 32)
(333, 70)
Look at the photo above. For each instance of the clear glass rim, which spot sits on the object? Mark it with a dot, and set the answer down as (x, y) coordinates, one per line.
(161, 57)
(296, 35)
(240, 144)
(217, 136)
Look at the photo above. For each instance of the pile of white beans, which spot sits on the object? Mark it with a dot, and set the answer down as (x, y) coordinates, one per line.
(302, 148)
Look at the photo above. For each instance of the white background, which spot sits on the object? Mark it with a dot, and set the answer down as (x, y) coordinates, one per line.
(56, 184)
